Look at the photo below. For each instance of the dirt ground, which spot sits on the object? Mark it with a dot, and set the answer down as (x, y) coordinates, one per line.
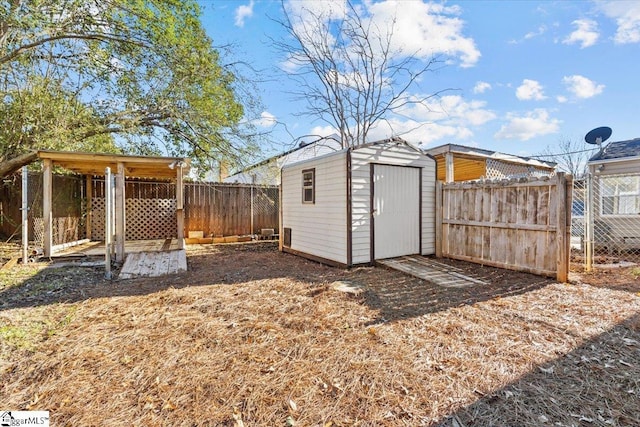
(253, 337)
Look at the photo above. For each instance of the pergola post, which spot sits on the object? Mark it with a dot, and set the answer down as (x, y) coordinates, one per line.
(180, 206)
(25, 214)
(120, 213)
(448, 167)
(89, 218)
(47, 183)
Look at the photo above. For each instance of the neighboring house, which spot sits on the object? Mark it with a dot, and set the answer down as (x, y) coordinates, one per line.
(360, 204)
(469, 163)
(267, 172)
(466, 163)
(616, 195)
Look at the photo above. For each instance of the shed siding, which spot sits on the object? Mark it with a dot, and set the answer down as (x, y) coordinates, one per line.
(389, 154)
(616, 167)
(318, 229)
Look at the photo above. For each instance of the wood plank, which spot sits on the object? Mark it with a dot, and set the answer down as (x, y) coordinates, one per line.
(505, 225)
(161, 262)
(120, 213)
(439, 218)
(173, 261)
(492, 263)
(47, 183)
(89, 196)
(563, 218)
(418, 266)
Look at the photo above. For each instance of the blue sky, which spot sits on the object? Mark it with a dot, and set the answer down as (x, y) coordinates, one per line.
(524, 74)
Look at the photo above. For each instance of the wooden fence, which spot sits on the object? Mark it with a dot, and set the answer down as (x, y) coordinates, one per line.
(519, 225)
(230, 209)
(216, 209)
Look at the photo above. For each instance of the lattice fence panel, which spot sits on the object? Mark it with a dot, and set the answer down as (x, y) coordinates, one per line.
(151, 219)
(147, 219)
(97, 218)
(497, 169)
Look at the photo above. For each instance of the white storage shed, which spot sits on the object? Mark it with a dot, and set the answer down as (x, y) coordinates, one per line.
(360, 204)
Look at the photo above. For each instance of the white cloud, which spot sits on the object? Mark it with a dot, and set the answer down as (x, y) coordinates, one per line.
(627, 16)
(243, 12)
(323, 131)
(425, 29)
(586, 33)
(481, 87)
(530, 35)
(418, 133)
(266, 120)
(420, 28)
(561, 99)
(530, 90)
(540, 31)
(448, 117)
(582, 87)
(532, 124)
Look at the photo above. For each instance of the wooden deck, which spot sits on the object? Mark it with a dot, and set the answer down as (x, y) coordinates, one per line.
(131, 246)
(153, 264)
(145, 258)
(433, 271)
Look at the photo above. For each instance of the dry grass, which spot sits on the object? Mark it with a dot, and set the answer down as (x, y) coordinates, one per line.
(256, 338)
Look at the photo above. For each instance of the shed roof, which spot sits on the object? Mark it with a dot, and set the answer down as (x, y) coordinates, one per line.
(489, 154)
(618, 150)
(135, 166)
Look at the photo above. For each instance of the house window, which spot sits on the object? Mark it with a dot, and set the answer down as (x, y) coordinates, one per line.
(620, 195)
(309, 186)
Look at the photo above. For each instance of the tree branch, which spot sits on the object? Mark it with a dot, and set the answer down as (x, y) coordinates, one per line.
(7, 167)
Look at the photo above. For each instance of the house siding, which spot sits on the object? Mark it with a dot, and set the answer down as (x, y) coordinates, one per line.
(623, 231)
(388, 154)
(269, 172)
(318, 229)
(616, 167)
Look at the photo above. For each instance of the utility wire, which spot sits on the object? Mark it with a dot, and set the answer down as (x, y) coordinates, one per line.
(562, 154)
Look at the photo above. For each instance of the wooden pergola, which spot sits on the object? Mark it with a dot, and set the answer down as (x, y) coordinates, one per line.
(90, 164)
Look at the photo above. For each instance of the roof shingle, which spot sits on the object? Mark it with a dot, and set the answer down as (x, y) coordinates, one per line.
(618, 150)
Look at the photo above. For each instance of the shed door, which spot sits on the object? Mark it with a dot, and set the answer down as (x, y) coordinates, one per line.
(396, 211)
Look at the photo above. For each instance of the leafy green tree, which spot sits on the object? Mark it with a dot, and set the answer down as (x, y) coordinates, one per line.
(136, 76)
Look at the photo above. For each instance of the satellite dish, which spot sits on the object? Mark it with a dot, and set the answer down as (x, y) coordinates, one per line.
(598, 135)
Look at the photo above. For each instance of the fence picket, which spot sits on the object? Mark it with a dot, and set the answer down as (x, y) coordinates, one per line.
(516, 225)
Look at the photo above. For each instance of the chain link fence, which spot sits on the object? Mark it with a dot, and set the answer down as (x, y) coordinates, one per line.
(605, 226)
(68, 211)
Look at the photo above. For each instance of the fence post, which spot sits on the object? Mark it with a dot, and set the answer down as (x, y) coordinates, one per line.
(439, 219)
(108, 224)
(562, 273)
(120, 213)
(89, 202)
(588, 224)
(47, 182)
(180, 206)
(251, 226)
(25, 214)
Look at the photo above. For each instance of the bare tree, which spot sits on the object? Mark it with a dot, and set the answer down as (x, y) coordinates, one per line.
(348, 71)
(571, 155)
